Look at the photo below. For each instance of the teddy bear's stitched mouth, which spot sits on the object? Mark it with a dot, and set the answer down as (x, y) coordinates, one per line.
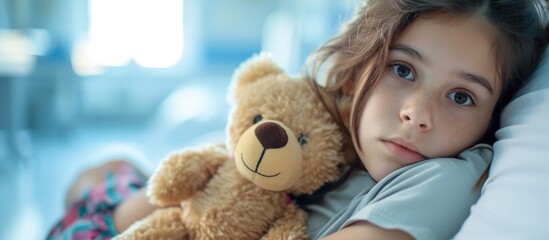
(255, 171)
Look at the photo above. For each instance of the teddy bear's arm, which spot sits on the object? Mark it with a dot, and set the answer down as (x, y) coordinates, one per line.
(291, 225)
(183, 173)
(163, 223)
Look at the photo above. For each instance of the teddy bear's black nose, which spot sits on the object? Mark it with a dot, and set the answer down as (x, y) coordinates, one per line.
(271, 135)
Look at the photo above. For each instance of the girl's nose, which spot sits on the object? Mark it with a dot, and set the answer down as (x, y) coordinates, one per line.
(417, 113)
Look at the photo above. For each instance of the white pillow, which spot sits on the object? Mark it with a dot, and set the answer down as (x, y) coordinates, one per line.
(515, 199)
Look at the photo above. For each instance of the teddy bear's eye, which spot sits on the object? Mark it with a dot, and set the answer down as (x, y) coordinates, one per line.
(302, 140)
(257, 118)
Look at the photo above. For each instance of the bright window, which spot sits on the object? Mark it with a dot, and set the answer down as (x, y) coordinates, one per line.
(148, 31)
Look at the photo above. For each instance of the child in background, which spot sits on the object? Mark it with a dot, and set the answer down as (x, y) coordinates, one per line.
(416, 84)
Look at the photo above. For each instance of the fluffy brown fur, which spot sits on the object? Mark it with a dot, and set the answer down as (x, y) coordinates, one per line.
(219, 192)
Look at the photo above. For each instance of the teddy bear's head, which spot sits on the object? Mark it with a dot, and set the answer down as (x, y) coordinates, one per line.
(282, 137)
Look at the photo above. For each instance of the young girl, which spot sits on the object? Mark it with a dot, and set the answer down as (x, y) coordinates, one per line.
(416, 84)
(421, 80)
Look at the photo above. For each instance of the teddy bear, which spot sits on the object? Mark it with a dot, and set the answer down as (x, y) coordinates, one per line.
(281, 143)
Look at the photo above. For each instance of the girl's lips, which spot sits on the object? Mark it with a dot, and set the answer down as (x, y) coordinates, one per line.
(402, 152)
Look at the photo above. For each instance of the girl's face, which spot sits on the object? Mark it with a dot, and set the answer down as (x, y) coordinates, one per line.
(436, 95)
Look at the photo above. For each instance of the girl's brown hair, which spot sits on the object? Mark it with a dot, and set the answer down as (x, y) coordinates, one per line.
(350, 64)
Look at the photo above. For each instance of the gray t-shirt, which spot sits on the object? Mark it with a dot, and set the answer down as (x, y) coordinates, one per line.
(428, 199)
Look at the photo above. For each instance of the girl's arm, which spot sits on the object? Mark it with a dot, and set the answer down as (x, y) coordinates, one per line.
(366, 230)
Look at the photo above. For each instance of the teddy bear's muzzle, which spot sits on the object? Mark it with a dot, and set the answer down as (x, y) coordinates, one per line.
(269, 155)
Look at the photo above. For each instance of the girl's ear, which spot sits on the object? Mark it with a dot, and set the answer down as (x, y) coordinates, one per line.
(348, 88)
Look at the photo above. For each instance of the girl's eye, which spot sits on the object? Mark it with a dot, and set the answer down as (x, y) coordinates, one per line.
(257, 118)
(402, 71)
(461, 98)
(302, 140)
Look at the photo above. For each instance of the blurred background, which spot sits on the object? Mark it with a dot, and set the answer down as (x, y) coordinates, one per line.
(84, 81)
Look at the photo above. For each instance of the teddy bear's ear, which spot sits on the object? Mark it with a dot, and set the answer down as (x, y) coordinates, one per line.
(253, 69)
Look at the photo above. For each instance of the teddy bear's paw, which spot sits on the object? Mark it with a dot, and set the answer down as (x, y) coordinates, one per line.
(291, 225)
(184, 173)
